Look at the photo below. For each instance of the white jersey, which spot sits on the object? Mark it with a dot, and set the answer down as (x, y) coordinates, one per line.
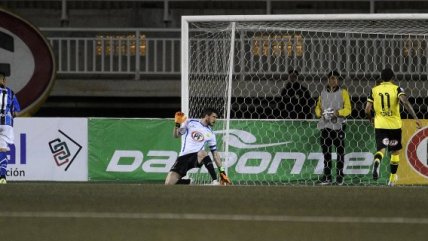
(194, 137)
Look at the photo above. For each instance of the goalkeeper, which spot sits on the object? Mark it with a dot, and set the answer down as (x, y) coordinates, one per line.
(333, 106)
(195, 134)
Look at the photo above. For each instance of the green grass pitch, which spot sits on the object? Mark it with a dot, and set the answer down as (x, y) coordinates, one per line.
(119, 211)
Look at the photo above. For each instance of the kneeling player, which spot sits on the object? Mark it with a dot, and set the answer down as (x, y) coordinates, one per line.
(194, 135)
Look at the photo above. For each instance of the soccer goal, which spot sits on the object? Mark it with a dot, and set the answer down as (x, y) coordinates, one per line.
(268, 133)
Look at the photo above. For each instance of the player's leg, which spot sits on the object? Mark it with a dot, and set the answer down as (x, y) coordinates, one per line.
(395, 147)
(339, 143)
(395, 159)
(380, 151)
(205, 159)
(326, 144)
(3, 166)
(180, 168)
(172, 178)
(5, 137)
(376, 163)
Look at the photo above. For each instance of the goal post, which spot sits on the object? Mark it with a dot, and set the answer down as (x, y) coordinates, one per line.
(239, 64)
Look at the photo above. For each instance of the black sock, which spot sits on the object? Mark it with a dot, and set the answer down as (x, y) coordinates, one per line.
(394, 168)
(210, 167)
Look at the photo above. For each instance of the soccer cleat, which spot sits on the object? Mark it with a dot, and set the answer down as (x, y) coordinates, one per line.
(340, 181)
(215, 183)
(3, 181)
(393, 178)
(325, 180)
(376, 166)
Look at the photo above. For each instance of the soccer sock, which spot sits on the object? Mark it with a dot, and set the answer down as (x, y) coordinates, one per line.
(3, 164)
(208, 163)
(395, 159)
(378, 156)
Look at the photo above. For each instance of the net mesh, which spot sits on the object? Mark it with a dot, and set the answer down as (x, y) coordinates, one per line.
(273, 135)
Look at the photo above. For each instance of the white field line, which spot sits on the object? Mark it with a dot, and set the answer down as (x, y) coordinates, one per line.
(217, 217)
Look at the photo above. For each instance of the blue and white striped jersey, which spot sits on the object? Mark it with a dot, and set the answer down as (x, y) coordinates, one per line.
(195, 137)
(8, 106)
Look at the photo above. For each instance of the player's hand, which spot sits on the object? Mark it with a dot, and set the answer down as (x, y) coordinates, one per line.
(328, 114)
(336, 113)
(180, 117)
(418, 124)
(224, 179)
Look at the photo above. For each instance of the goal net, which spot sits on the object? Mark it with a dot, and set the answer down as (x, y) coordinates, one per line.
(243, 66)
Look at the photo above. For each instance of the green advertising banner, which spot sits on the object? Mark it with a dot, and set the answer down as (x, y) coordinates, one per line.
(260, 151)
(131, 149)
(285, 151)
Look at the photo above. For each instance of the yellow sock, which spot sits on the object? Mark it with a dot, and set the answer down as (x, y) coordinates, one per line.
(395, 159)
(378, 156)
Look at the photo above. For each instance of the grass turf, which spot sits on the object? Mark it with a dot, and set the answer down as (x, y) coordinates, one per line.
(37, 203)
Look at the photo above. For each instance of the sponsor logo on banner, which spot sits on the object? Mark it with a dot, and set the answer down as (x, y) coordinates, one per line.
(49, 149)
(416, 152)
(17, 157)
(242, 159)
(245, 140)
(64, 150)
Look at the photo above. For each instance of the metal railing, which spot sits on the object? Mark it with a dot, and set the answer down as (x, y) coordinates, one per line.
(115, 51)
(156, 52)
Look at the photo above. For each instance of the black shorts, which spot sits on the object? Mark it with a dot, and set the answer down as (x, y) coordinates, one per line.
(185, 163)
(388, 138)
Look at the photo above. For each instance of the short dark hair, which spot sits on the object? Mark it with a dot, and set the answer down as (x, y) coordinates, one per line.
(209, 111)
(333, 73)
(2, 74)
(387, 74)
(293, 71)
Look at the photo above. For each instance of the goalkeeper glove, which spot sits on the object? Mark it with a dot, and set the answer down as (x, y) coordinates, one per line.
(179, 118)
(224, 179)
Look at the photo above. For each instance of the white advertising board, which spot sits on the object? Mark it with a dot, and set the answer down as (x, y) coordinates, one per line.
(49, 149)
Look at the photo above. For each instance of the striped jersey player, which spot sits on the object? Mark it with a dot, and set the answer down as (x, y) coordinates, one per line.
(9, 107)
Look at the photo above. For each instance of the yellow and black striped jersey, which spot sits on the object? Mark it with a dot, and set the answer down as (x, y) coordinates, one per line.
(386, 104)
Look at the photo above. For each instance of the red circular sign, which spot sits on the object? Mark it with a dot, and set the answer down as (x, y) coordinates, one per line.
(412, 154)
(26, 42)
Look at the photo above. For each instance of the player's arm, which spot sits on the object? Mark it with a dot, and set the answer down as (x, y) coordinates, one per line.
(16, 108)
(179, 119)
(175, 132)
(368, 110)
(217, 159)
(347, 109)
(224, 179)
(409, 108)
(369, 107)
(318, 109)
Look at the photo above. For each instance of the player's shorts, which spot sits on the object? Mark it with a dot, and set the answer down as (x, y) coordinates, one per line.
(388, 138)
(6, 136)
(185, 163)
